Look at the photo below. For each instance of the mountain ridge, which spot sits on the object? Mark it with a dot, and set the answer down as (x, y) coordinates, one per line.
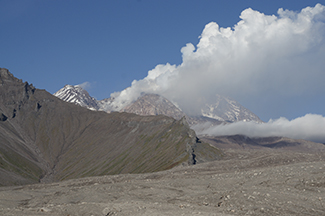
(224, 109)
(43, 138)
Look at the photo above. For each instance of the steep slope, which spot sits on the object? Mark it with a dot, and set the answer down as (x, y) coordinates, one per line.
(43, 138)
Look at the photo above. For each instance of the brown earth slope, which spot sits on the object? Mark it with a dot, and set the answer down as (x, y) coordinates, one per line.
(43, 138)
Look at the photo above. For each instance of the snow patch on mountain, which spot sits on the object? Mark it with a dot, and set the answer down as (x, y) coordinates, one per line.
(227, 109)
(223, 110)
(77, 95)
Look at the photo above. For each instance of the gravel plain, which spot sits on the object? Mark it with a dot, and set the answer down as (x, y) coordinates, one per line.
(244, 182)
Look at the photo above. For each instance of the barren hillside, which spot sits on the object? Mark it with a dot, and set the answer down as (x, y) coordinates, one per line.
(43, 138)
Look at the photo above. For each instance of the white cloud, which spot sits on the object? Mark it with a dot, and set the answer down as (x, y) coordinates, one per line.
(157, 81)
(279, 55)
(309, 127)
(85, 85)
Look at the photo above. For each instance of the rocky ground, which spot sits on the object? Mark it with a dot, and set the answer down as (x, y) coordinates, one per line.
(244, 182)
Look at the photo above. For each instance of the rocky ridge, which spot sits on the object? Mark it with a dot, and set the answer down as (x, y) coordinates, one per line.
(43, 138)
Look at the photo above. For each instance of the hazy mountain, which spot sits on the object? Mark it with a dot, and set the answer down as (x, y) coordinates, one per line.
(227, 109)
(43, 138)
(153, 104)
(223, 110)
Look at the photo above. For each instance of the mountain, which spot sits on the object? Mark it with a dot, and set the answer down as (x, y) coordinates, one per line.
(76, 94)
(227, 109)
(154, 104)
(223, 109)
(146, 104)
(43, 138)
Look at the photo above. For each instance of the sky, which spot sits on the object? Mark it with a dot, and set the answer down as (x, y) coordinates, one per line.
(267, 55)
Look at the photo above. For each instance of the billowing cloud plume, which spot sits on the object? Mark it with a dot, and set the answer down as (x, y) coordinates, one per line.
(309, 127)
(279, 55)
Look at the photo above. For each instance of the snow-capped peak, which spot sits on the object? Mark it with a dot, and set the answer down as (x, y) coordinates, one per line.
(223, 109)
(227, 109)
(77, 95)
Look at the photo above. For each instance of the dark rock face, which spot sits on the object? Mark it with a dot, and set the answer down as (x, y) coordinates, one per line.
(43, 138)
(3, 117)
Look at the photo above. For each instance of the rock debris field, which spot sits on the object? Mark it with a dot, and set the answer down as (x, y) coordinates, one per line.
(244, 182)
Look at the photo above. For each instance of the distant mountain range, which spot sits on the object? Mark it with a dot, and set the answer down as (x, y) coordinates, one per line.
(223, 109)
(45, 139)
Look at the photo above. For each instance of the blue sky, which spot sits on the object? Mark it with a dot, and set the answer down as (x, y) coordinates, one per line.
(111, 43)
